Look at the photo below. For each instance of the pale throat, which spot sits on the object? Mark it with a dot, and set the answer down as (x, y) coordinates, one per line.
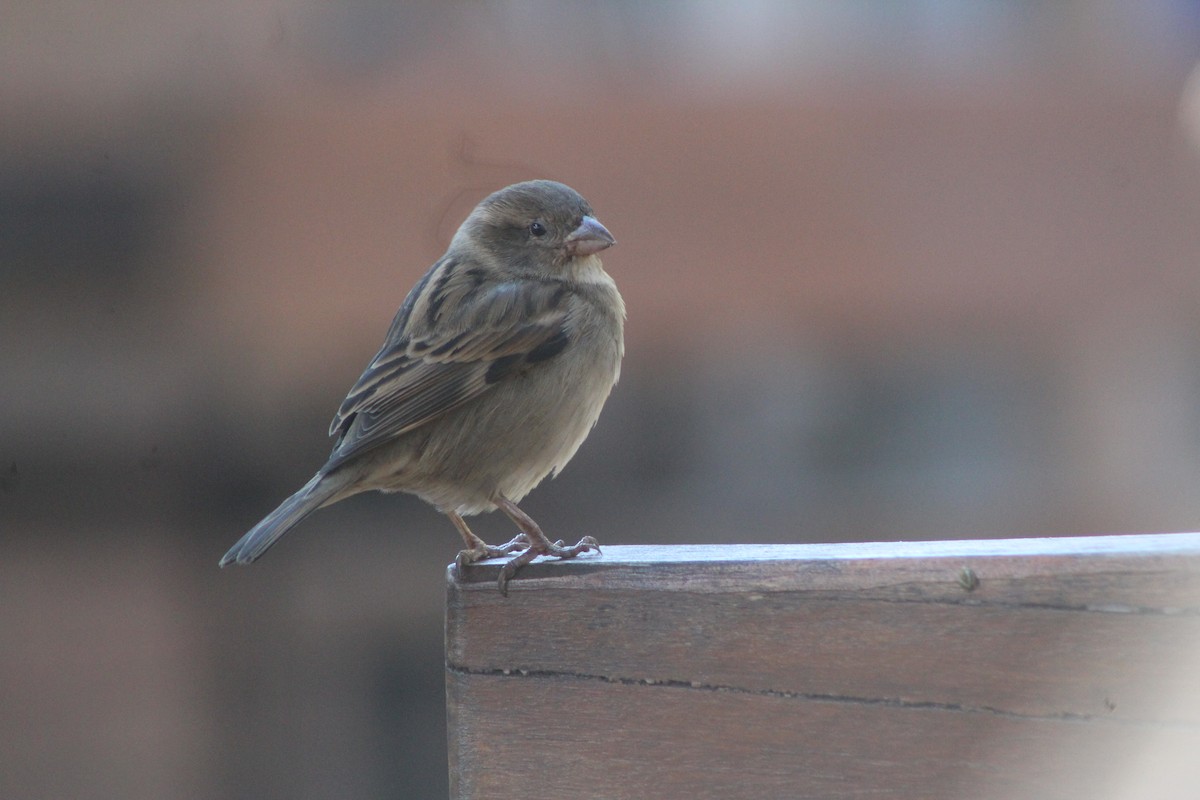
(588, 269)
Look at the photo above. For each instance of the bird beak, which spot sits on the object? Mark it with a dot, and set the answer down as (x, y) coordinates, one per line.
(590, 237)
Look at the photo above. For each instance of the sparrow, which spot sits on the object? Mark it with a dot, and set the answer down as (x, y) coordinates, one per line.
(492, 374)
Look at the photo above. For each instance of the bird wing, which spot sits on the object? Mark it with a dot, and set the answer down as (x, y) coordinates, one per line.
(453, 340)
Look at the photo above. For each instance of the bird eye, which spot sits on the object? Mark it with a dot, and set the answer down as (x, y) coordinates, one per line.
(537, 229)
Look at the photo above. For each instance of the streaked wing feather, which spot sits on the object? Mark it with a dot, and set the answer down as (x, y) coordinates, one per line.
(420, 375)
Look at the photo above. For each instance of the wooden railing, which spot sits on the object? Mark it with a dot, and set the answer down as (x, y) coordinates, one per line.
(1024, 668)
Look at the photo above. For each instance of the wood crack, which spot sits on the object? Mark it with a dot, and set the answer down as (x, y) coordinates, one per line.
(817, 697)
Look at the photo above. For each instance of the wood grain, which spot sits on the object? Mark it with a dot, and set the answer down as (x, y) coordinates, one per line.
(1069, 670)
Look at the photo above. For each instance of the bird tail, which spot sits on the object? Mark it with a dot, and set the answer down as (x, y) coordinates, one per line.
(311, 496)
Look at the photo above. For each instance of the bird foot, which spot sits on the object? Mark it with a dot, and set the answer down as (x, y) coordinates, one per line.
(543, 548)
(484, 550)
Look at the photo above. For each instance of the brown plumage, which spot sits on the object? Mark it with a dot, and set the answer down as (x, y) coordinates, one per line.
(489, 379)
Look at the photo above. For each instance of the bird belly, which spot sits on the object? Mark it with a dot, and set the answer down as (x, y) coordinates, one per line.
(507, 440)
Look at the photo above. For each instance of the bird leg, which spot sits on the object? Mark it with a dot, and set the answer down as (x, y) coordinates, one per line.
(538, 543)
(478, 549)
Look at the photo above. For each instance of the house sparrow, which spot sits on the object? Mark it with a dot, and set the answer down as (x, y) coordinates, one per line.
(491, 375)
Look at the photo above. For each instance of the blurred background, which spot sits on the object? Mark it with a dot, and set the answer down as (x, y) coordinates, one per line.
(911, 270)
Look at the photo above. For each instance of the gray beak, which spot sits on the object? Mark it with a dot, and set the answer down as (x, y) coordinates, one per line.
(590, 237)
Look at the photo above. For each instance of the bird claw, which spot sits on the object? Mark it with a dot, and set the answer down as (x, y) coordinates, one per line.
(554, 549)
(484, 550)
(584, 545)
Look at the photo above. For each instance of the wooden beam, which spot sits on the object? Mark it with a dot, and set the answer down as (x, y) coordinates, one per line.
(1048, 668)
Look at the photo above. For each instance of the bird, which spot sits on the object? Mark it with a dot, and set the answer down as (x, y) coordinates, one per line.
(491, 375)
